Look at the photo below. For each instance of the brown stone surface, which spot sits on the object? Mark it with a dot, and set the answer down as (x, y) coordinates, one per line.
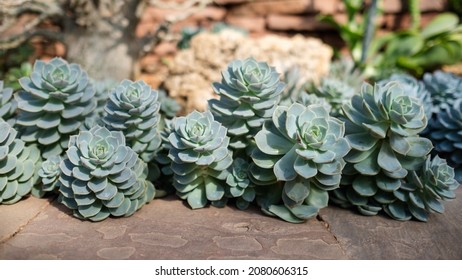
(383, 238)
(297, 23)
(167, 229)
(14, 217)
(251, 24)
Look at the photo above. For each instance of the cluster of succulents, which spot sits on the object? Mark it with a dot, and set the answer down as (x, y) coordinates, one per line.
(268, 140)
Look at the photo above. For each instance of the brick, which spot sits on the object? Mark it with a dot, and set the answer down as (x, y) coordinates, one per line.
(251, 24)
(285, 7)
(402, 21)
(296, 23)
(397, 6)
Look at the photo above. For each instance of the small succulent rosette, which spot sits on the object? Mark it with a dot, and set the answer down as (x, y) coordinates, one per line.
(249, 92)
(382, 126)
(18, 173)
(133, 108)
(54, 102)
(239, 184)
(304, 147)
(49, 174)
(102, 176)
(200, 158)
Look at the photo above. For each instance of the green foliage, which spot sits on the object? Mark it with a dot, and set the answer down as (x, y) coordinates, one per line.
(18, 164)
(102, 176)
(249, 92)
(304, 147)
(200, 158)
(54, 102)
(239, 183)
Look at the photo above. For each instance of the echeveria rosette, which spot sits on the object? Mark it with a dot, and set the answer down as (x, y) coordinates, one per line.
(239, 183)
(304, 147)
(200, 158)
(414, 88)
(423, 190)
(54, 102)
(249, 92)
(168, 106)
(17, 165)
(382, 127)
(446, 135)
(444, 88)
(133, 108)
(7, 104)
(49, 174)
(102, 176)
(102, 90)
(336, 91)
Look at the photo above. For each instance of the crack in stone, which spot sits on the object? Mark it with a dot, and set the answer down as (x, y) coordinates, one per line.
(320, 219)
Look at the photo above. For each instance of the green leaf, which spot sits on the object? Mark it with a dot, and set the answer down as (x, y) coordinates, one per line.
(317, 198)
(297, 190)
(365, 186)
(197, 198)
(304, 211)
(284, 168)
(283, 213)
(387, 159)
(442, 23)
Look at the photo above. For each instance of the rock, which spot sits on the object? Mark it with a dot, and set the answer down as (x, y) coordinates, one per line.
(251, 24)
(297, 23)
(192, 71)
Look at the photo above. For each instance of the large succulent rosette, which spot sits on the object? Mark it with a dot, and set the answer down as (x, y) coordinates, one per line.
(445, 88)
(54, 102)
(102, 176)
(17, 165)
(133, 108)
(200, 158)
(382, 126)
(249, 92)
(304, 147)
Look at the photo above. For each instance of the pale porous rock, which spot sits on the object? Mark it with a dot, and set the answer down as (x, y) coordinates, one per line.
(193, 70)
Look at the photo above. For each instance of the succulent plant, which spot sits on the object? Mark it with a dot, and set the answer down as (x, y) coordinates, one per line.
(239, 183)
(133, 108)
(304, 147)
(444, 88)
(335, 91)
(17, 165)
(422, 191)
(49, 174)
(7, 104)
(54, 102)
(415, 88)
(102, 90)
(382, 127)
(249, 92)
(446, 135)
(293, 89)
(168, 106)
(200, 158)
(102, 176)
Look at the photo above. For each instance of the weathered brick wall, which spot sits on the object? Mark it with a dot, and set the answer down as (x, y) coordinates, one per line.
(280, 16)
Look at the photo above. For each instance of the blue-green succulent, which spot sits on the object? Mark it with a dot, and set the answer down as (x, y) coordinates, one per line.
(200, 158)
(382, 126)
(18, 162)
(7, 104)
(49, 174)
(54, 102)
(133, 108)
(446, 134)
(304, 147)
(249, 92)
(240, 186)
(336, 91)
(102, 176)
(445, 88)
